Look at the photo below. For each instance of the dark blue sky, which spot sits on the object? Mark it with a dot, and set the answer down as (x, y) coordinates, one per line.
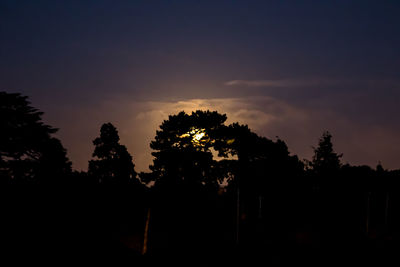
(303, 66)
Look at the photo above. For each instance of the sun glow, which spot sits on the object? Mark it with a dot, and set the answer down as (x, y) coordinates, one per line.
(196, 135)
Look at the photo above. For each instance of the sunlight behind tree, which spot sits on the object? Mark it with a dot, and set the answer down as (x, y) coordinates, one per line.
(198, 137)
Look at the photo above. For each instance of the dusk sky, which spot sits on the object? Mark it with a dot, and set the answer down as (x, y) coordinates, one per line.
(286, 68)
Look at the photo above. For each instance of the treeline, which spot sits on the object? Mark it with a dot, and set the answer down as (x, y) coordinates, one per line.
(185, 154)
(212, 188)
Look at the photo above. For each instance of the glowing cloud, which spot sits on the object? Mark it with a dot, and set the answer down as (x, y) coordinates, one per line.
(299, 127)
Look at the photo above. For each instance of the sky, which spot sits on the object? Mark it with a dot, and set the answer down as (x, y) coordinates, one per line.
(291, 69)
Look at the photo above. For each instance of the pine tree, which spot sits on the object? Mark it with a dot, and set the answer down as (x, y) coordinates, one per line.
(325, 161)
(114, 163)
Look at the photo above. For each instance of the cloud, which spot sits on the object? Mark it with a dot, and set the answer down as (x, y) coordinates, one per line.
(298, 125)
(277, 83)
(257, 112)
(315, 82)
(266, 116)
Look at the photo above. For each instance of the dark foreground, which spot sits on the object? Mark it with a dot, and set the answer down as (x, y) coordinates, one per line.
(89, 227)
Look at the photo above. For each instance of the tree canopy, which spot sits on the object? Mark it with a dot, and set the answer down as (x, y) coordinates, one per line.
(261, 163)
(28, 151)
(186, 146)
(183, 149)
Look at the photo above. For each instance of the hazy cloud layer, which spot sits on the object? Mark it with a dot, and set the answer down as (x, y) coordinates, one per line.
(299, 126)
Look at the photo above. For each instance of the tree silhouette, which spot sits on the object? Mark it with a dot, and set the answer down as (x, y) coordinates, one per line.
(325, 161)
(184, 152)
(182, 147)
(114, 163)
(28, 152)
(260, 162)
